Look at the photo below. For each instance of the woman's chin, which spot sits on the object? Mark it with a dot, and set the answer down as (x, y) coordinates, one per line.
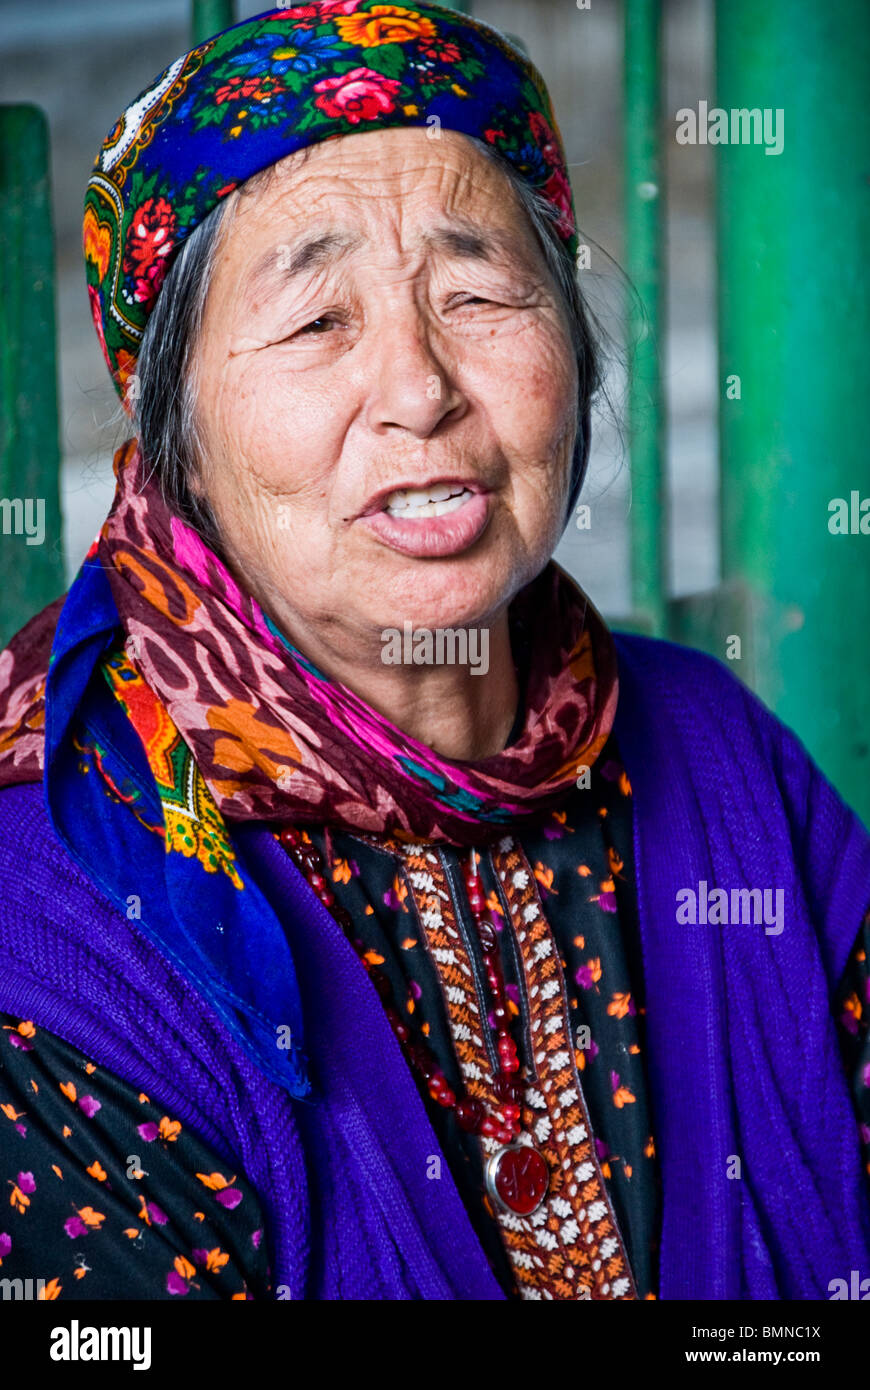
(472, 599)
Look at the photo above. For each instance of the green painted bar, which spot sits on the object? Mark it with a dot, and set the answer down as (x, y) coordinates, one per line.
(31, 571)
(645, 266)
(209, 17)
(794, 325)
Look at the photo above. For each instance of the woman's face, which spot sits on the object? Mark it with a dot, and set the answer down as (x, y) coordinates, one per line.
(386, 391)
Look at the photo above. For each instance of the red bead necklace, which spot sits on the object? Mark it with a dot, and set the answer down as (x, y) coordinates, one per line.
(516, 1175)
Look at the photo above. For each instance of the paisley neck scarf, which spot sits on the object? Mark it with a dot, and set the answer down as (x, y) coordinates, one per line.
(211, 685)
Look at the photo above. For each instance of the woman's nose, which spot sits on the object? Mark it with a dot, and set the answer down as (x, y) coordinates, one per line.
(412, 380)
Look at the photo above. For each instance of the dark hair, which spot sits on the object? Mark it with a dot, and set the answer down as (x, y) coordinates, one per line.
(165, 407)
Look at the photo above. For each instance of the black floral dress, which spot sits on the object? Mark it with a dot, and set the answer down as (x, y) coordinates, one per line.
(106, 1195)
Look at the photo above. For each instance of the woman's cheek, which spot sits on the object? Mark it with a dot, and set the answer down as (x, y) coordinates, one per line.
(532, 367)
(287, 416)
(537, 427)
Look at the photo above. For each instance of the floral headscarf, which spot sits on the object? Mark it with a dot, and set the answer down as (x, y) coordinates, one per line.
(267, 87)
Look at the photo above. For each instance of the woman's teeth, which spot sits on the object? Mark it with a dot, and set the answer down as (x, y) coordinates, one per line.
(409, 503)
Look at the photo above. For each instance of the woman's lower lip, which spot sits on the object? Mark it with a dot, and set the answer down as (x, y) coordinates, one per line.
(428, 537)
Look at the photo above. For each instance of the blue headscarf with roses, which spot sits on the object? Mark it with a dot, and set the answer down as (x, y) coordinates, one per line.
(267, 87)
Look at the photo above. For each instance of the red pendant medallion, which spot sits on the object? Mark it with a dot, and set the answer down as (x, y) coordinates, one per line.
(518, 1177)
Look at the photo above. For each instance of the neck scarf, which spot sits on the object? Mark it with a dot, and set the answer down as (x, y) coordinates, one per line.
(210, 684)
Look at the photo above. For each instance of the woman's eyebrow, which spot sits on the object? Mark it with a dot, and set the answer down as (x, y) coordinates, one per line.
(308, 253)
(473, 242)
(463, 239)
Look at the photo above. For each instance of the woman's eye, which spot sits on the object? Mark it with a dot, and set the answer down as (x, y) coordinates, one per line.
(317, 325)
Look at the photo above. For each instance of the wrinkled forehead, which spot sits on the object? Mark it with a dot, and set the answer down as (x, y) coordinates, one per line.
(378, 168)
(400, 184)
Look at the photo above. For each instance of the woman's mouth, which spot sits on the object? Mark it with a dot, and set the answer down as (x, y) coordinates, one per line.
(410, 503)
(435, 520)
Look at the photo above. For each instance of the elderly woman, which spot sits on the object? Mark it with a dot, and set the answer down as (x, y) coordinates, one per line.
(331, 969)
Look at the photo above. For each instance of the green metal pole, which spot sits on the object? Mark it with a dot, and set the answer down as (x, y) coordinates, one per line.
(31, 536)
(645, 266)
(794, 329)
(209, 17)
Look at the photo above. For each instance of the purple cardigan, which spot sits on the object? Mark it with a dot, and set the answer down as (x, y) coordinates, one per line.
(742, 1052)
